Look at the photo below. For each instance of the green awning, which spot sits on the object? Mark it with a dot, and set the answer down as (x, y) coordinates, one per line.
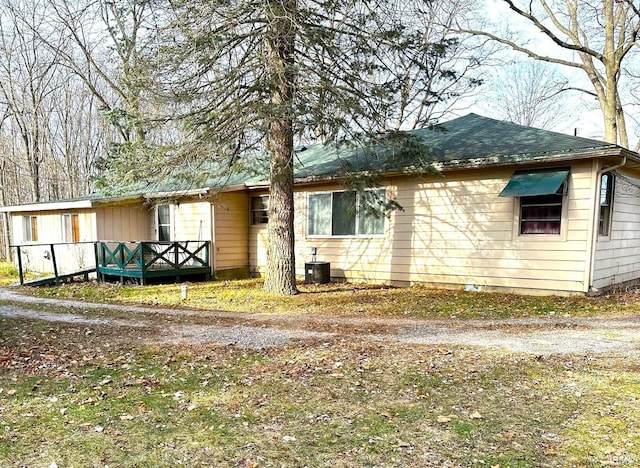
(535, 182)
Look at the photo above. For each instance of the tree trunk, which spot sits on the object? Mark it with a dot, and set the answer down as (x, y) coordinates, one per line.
(6, 237)
(281, 34)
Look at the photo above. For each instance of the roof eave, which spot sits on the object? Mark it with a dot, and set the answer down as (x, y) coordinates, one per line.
(48, 206)
(525, 159)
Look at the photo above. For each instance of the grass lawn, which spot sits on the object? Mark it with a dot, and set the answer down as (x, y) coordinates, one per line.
(80, 396)
(340, 299)
(349, 299)
(8, 274)
(76, 395)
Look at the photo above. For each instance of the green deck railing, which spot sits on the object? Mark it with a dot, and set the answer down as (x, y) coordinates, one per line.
(149, 259)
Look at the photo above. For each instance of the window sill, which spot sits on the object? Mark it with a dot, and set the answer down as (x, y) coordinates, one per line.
(533, 237)
(372, 236)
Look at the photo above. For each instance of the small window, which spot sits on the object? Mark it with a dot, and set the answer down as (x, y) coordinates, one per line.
(606, 203)
(541, 193)
(260, 209)
(346, 213)
(164, 223)
(30, 228)
(541, 214)
(70, 228)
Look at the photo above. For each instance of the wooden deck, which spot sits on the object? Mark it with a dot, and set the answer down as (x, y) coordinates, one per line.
(148, 260)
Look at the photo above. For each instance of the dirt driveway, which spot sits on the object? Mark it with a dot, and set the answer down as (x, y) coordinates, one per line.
(540, 336)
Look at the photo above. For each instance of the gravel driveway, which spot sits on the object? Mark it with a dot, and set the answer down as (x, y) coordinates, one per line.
(540, 336)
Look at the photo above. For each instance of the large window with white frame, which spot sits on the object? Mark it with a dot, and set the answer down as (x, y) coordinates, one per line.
(344, 213)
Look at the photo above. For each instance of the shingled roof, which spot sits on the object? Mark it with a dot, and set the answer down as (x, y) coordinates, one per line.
(476, 137)
(469, 141)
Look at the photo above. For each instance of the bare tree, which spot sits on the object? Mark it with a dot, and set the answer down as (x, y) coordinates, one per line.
(596, 37)
(427, 81)
(77, 138)
(27, 77)
(529, 93)
(107, 50)
(106, 40)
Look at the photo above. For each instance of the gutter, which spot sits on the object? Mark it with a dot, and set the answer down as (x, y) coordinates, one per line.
(596, 222)
(49, 206)
(177, 193)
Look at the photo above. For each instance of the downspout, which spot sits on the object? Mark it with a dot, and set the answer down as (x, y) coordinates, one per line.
(596, 220)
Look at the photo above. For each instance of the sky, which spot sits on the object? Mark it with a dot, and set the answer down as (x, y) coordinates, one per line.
(582, 114)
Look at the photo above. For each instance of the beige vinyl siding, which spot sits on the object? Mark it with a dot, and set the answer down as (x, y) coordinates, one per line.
(123, 223)
(37, 255)
(231, 231)
(50, 226)
(258, 242)
(192, 221)
(617, 257)
(455, 230)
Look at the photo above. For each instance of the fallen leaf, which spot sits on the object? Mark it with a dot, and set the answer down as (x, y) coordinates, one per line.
(126, 417)
(11, 392)
(475, 415)
(443, 419)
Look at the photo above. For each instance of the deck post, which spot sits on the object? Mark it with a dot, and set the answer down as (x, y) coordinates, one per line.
(20, 266)
(209, 275)
(97, 262)
(55, 265)
(143, 264)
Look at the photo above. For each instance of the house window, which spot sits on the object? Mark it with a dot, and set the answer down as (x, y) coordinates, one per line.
(541, 193)
(70, 228)
(346, 213)
(606, 203)
(541, 214)
(164, 223)
(260, 209)
(30, 228)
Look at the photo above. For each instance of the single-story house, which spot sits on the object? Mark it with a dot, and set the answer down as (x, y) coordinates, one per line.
(510, 208)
